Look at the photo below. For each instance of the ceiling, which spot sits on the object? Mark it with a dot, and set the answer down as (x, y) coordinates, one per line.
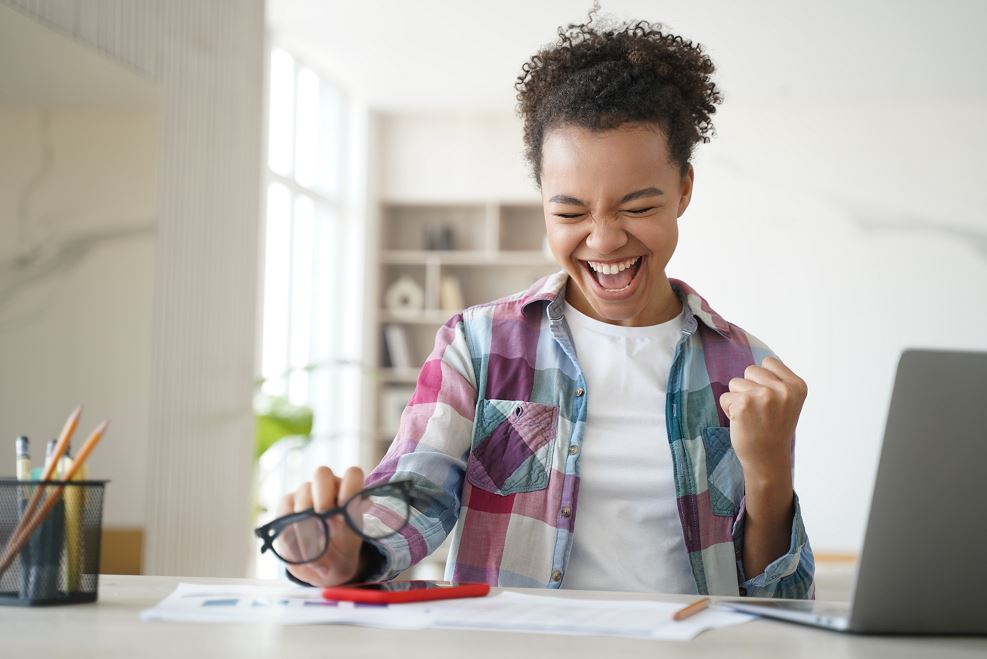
(42, 67)
(448, 54)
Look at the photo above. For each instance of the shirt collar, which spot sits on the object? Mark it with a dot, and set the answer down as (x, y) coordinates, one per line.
(550, 291)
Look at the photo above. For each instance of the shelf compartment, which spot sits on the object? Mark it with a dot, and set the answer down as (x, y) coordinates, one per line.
(408, 226)
(522, 228)
(466, 257)
(434, 317)
(483, 283)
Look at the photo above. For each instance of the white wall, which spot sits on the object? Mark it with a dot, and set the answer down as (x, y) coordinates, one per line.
(435, 155)
(838, 234)
(841, 234)
(78, 217)
(208, 60)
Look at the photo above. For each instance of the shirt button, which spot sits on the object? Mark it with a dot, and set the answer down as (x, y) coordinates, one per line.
(580, 391)
(557, 576)
(567, 512)
(573, 450)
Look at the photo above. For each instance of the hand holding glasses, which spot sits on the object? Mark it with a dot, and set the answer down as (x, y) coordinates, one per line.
(320, 541)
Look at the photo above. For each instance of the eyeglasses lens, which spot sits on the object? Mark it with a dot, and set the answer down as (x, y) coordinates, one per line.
(302, 541)
(378, 516)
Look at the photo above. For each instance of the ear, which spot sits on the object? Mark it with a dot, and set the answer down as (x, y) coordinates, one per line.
(685, 189)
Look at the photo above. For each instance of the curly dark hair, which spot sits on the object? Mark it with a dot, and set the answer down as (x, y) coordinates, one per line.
(601, 77)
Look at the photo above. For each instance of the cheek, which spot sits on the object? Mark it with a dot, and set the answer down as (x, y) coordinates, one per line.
(563, 240)
(662, 240)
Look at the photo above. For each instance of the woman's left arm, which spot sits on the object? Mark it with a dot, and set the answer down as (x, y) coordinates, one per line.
(764, 408)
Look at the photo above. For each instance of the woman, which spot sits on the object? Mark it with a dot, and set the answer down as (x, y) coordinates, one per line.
(608, 389)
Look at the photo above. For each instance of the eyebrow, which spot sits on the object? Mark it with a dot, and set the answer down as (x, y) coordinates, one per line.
(631, 196)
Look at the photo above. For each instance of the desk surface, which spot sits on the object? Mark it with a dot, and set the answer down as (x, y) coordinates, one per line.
(110, 628)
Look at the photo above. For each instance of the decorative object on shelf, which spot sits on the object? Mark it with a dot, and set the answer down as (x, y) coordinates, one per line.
(438, 237)
(451, 294)
(393, 400)
(404, 297)
(398, 346)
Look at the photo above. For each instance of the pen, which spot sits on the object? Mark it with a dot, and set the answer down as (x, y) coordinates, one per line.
(51, 533)
(691, 610)
(23, 445)
(25, 529)
(70, 425)
(49, 456)
(74, 504)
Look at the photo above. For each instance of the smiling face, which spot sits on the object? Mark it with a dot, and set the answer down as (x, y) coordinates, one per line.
(612, 200)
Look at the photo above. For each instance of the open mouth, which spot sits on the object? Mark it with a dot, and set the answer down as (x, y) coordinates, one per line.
(614, 276)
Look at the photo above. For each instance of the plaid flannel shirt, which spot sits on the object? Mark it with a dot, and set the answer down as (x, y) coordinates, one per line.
(491, 438)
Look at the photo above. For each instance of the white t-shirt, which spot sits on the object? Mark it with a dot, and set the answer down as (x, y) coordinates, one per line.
(627, 534)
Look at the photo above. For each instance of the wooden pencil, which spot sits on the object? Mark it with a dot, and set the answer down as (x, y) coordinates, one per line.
(691, 610)
(27, 527)
(63, 441)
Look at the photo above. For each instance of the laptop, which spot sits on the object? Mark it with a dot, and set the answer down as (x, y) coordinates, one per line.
(923, 569)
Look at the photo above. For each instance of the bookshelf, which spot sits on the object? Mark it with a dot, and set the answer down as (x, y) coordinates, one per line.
(488, 250)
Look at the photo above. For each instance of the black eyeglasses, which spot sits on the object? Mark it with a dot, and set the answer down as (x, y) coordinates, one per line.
(374, 513)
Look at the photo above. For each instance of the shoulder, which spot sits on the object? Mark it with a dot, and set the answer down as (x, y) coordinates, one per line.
(720, 338)
(520, 305)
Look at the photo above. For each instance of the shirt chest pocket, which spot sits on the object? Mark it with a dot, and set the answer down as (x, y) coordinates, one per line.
(512, 444)
(723, 471)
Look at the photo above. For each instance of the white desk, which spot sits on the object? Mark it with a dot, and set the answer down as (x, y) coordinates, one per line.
(110, 628)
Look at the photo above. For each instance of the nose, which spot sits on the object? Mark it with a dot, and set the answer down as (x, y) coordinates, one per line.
(607, 236)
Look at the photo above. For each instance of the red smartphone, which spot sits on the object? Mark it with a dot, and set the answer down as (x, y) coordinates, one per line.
(396, 592)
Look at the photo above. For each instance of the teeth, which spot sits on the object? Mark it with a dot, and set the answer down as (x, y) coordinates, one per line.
(613, 268)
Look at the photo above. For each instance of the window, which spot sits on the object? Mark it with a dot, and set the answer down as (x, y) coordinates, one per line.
(305, 237)
(313, 279)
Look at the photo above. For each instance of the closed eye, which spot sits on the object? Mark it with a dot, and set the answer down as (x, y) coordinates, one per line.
(568, 216)
(640, 211)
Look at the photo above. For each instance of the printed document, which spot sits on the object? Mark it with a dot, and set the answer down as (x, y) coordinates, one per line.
(503, 611)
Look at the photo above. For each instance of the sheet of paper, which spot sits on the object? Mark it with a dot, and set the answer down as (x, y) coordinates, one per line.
(505, 611)
(287, 605)
(521, 612)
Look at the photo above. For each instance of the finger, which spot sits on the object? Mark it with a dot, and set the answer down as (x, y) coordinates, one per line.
(341, 535)
(325, 487)
(777, 367)
(774, 366)
(286, 506)
(763, 377)
(739, 385)
(287, 540)
(786, 374)
(303, 497)
(351, 484)
(728, 401)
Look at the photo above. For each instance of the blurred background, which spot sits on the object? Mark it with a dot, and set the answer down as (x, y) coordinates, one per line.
(233, 227)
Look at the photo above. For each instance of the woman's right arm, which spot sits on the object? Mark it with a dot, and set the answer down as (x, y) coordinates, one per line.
(430, 449)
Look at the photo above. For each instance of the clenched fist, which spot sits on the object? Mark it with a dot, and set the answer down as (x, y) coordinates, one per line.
(764, 407)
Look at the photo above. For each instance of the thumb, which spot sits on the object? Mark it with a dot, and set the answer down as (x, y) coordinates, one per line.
(725, 400)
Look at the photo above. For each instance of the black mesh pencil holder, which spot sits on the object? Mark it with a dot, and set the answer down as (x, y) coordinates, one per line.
(59, 563)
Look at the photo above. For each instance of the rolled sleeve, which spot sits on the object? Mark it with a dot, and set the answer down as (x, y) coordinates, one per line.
(788, 576)
(430, 450)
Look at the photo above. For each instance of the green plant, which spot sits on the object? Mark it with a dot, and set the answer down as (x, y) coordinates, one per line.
(276, 417)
